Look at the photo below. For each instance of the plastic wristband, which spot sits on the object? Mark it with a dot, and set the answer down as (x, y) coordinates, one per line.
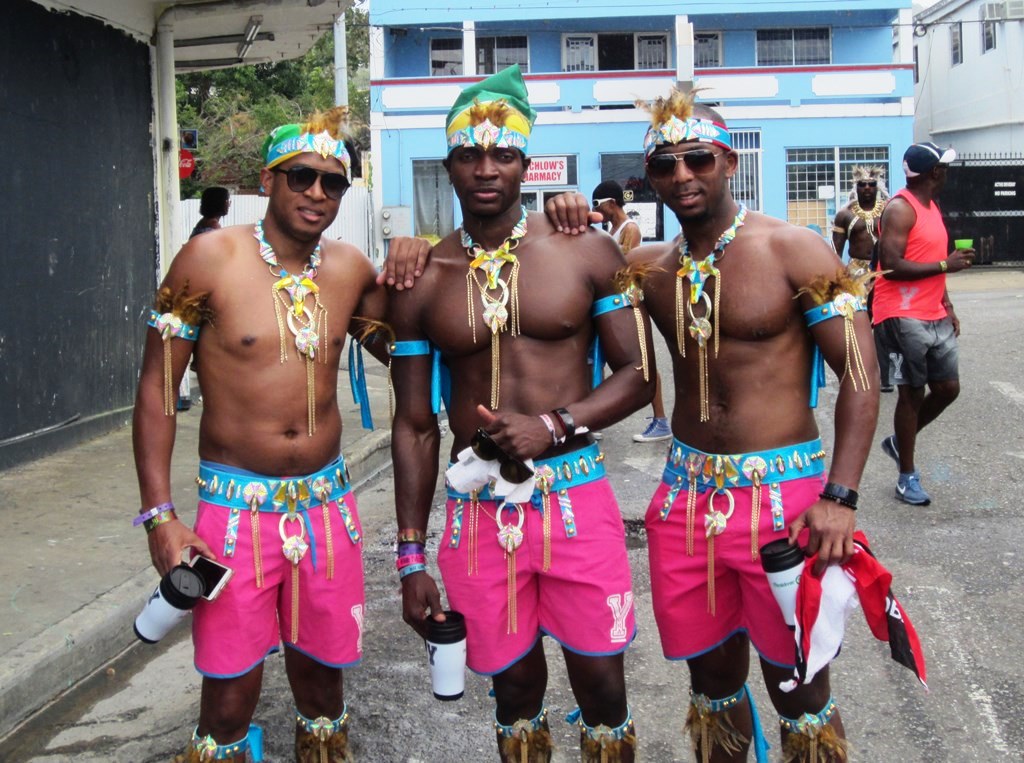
(566, 420)
(160, 519)
(410, 535)
(146, 515)
(551, 427)
(404, 561)
(404, 549)
(411, 570)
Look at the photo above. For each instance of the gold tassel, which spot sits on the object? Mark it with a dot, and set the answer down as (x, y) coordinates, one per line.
(310, 396)
(329, 540)
(281, 333)
(691, 513)
(546, 508)
(295, 603)
(257, 553)
(713, 729)
(170, 399)
(513, 302)
(702, 370)
(495, 370)
(823, 745)
(470, 310)
(680, 317)
(472, 553)
(641, 334)
(755, 515)
(512, 622)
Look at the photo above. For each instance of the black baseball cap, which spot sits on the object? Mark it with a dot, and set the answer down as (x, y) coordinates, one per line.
(921, 157)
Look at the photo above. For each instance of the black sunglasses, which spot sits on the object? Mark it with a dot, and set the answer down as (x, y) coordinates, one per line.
(867, 183)
(512, 469)
(301, 178)
(700, 161)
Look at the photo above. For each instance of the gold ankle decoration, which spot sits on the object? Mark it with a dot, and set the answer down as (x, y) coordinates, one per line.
(321, 740)
(709, 725)
(526, 740)
(811, 738)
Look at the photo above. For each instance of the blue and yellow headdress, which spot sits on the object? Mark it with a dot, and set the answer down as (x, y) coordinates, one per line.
(322, 135)
(672, 121)
(493, 112)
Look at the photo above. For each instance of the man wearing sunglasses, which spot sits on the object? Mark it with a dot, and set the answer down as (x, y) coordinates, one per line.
(857, 222)
(263, 311)
(541, 551)
(746, 466)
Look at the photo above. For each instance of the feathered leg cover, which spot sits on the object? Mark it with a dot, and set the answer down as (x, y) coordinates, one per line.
(601, 743)
(527, 740)
(322, 740)
(811, 738)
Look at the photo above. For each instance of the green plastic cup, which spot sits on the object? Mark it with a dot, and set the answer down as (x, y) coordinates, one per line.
(964, 243)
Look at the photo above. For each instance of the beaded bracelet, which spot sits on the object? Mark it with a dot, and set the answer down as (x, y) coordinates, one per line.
(145, 516)
(411, 535)
(404, 561)
(410, 570)
(160, 519)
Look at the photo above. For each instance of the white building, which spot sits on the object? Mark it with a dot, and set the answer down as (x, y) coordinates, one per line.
(969, 57)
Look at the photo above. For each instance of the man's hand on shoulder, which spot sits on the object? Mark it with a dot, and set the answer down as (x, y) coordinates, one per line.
(570, 213)
(407, 257)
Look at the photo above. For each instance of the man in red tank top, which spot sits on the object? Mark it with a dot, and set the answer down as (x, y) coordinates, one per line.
(915, 326)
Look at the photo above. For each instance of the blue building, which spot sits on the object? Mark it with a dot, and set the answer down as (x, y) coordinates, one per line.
(808, 89)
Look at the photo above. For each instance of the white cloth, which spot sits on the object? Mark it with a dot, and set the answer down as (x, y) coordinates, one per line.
(471, 473)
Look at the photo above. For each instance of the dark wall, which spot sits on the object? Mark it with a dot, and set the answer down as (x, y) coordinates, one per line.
(77, 242)
(983, 199)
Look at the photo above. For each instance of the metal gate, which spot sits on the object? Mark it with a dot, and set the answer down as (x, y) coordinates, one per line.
(984, 199)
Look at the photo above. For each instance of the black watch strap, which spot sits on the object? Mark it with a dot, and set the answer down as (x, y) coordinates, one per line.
(841, 494)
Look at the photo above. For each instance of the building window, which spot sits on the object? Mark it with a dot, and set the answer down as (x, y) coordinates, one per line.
(615, 52)
(819, 180)
(746, 183)
(641, 201)
(433, 203)
(956, 49)
(445, 56)
(988, 30)
(794, 47)
(495, 53)
(707, 50)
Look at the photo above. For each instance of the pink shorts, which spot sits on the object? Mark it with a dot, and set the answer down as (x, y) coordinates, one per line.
(584, 600)
(743, 600)
(235, 632)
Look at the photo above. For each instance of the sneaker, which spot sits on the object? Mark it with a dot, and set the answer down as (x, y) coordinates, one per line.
(889, 448)
(657, 430)
(909, 490)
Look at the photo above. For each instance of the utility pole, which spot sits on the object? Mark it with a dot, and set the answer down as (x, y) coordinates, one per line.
(340, 62)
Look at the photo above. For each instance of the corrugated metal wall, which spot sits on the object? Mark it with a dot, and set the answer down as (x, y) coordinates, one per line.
(77, 245)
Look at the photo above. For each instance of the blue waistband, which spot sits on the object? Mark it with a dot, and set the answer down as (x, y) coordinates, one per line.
(715, 470)
(240, 489)
(554, 474)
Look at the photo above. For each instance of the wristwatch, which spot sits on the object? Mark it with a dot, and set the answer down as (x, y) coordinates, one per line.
(842, 495)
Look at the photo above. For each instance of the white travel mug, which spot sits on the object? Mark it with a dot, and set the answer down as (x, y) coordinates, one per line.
(179, 590)
(446, 651)
(783, 564)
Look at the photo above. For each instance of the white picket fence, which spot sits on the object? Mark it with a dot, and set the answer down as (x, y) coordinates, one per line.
(352, 225)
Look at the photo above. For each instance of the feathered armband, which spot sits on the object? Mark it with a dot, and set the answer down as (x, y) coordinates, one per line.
(176, 315)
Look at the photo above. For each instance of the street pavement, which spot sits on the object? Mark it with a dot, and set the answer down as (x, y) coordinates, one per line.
(76, 573)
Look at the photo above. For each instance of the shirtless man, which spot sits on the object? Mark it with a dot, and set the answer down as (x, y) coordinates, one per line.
(264, 313)
(521, 390)
(857, 222)
(746, 466)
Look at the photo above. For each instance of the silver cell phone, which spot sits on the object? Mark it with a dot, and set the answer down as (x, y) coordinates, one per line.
(214, 574)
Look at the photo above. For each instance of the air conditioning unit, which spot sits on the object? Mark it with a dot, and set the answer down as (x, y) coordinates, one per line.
(993, 11)
(1014, 10)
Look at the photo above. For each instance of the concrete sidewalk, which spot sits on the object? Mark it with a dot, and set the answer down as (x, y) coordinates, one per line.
(75, 572)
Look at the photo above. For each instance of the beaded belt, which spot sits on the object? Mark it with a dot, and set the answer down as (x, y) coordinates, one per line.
(292, 497)
(700, 472)
(552, 476)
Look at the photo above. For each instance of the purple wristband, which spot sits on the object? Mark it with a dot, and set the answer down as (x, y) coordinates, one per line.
(145, 516)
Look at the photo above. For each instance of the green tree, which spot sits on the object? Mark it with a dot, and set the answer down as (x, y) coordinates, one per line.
(234, 109)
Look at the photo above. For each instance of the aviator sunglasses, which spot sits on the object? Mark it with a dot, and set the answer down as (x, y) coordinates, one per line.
(301, 178)
(512, 469)
(700, 161)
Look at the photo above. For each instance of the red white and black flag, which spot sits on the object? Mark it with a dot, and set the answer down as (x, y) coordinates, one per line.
(824, 603)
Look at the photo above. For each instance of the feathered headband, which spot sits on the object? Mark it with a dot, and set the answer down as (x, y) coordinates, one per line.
(494, 112)
(672, 121)
(862, 173)
(322, 135)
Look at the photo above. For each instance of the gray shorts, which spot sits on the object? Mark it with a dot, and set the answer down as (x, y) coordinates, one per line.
(917, 352)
